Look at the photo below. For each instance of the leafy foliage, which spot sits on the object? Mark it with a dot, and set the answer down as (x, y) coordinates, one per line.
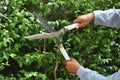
(95, 47)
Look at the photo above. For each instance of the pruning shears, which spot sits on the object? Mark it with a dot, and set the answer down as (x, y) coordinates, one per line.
(52, 33)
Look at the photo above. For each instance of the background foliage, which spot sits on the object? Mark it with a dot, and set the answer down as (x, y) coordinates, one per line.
(95, 47)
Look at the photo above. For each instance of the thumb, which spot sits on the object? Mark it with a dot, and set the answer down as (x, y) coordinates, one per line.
(78, 19)
(64, 62)
(73, 59)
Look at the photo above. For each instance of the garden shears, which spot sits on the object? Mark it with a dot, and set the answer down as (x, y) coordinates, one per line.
(52, 33)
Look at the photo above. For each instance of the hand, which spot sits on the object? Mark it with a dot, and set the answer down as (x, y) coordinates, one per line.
(84, 20)
(72, 65)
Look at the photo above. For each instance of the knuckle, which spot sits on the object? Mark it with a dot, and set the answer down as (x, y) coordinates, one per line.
(79, 17)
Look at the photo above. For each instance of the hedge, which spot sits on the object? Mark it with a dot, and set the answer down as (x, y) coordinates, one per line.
(96, 47)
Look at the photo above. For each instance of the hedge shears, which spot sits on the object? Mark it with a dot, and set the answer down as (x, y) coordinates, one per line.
(52, 33)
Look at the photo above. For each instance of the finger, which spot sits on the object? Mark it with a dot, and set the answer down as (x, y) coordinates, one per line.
(72, 59)
(68, 68)
(81, 25)
(65, 62)
(76, 20)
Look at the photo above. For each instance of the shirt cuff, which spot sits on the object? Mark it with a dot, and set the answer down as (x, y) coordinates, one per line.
(97, 17)
(80, 71)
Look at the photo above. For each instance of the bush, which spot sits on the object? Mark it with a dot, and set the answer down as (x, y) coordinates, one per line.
(95, 47)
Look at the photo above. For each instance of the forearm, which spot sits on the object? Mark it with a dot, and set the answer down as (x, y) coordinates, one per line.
(87, 74)
(110, 18)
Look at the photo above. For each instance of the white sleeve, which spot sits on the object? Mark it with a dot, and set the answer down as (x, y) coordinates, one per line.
(110, 18)
(87, 74)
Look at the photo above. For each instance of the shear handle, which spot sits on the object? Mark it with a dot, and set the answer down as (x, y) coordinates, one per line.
(70, 27)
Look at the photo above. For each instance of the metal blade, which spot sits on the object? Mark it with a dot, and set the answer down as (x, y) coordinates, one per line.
(44, 35)
(44, 22)
(47, 26)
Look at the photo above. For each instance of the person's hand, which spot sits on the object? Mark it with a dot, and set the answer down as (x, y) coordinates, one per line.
(84, 20)
(72, 65)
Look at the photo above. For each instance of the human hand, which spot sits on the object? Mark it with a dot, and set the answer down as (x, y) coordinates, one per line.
(84, 20)
(72, 65)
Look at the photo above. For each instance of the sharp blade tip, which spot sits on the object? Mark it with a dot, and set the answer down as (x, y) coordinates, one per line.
(26, 37)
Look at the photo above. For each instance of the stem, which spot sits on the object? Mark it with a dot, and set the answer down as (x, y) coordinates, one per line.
(44, 48)
(56, 67)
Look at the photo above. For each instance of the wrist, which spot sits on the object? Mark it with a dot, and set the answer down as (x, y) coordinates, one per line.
(77, 69)
(91, 16)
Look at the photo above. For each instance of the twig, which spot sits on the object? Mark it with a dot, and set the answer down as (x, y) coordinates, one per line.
(44, 47)
(56, 67)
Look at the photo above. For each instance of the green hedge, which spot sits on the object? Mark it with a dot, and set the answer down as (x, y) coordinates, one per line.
(95, 47)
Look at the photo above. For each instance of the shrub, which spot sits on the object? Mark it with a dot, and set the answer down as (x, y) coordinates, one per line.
(95, 47)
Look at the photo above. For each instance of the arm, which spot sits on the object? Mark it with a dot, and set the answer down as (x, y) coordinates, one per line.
(87, 74)
(110, 18)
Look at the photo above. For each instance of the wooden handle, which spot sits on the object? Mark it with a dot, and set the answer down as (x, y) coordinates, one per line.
(70, 27)
(63, 51)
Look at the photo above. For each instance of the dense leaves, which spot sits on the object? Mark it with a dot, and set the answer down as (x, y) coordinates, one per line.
(95, 47)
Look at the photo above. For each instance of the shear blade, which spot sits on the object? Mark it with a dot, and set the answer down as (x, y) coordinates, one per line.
(42, 36)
